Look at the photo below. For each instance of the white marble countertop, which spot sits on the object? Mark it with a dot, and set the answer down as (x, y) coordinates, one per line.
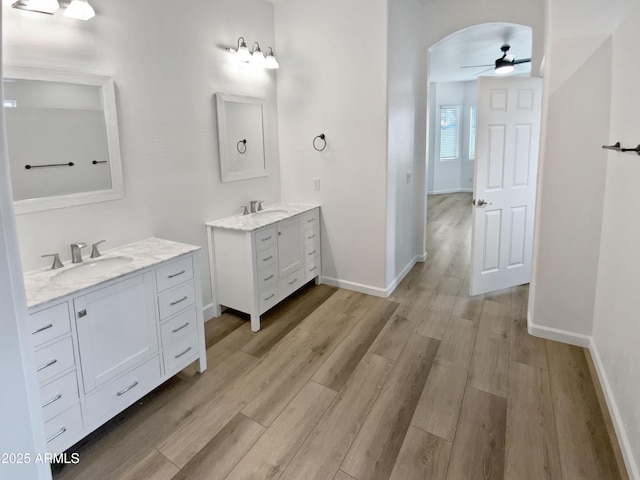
(271, 214)
(43, 285)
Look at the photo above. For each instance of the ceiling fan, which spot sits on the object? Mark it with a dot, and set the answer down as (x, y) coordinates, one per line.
(502, 65)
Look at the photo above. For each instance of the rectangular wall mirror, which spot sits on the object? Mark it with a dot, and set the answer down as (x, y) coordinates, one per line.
(62, 136)
(242, 136)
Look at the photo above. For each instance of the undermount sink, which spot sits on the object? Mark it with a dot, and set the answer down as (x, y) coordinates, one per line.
(276, 213)
(91, 270)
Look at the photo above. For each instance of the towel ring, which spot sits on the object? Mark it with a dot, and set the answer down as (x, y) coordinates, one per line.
(324, 142)
(239, 148)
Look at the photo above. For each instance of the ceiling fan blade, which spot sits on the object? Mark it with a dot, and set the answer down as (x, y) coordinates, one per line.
(484, 71)
(521, 60)
(478, 66)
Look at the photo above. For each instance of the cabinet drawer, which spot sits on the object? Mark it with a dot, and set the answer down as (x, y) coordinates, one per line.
(312, 234)
(267, 299)
(312, 268)
(267, 257)
(123, 391)
(179, 298)
(52, 360)
(291, 283)
(178, 327)
(181, 354)
(267, 277)
(57, 396)
(311, 249)
(63, 429)
(265, 238)
(174, 273)
(48, 324)
(311, 218)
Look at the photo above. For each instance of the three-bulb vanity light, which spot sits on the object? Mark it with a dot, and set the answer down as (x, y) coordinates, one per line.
(79, 9)
(255, 55)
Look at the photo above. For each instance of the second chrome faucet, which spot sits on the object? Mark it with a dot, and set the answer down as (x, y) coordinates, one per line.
(76, 251)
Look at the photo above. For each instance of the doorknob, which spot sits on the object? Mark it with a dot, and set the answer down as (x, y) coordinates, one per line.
(480, 203)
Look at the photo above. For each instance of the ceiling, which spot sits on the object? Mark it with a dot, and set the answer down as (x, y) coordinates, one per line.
(478, 45)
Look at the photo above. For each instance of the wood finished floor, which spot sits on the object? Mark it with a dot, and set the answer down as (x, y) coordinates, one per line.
(426, 384)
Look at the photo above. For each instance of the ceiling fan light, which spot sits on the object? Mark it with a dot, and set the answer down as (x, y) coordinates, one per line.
(43, 6)
(503, 67)
(80, 9)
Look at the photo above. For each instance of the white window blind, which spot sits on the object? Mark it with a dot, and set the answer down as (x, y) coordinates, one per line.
(449, 132)
(472, 133)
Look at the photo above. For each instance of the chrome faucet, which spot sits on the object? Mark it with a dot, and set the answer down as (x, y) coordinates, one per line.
(56, 261)
(95, 253)
(256, 205)
(76, 252)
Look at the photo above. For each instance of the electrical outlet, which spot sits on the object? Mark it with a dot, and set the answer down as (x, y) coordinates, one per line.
(409, 176)
(316, 184)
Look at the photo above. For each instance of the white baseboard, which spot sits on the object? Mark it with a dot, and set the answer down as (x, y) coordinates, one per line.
(356, 287)
(618, 424)
(375, 291)
(452, 190)
(556, 334)
(208, 312)
(586, 341)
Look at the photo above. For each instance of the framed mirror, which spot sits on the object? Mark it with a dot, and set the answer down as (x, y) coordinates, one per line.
(242, 134)
(62, 136)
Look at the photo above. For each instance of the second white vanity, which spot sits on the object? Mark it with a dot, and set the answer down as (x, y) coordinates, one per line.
(107, 331)
(258, 260)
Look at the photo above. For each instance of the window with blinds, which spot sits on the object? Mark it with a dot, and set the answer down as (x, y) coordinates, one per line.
(472, 133)
(449, 132)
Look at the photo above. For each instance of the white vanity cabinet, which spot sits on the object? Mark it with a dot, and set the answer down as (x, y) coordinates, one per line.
(257, 263)
(101, 348)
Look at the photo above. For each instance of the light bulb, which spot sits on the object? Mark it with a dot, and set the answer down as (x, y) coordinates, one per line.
(44, 6)
(243, 54)
(271, 61)
(79, 9)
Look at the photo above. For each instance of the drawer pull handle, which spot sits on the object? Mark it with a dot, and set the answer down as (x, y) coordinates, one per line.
(42, 329)
(183, 353)
(176, 330)
(82, 313)
(122, 392)
(312, 236)
(267, 238)
(268, 278)
(312, 253)
(268, 258)
(52, 362)
(270, 297)
(311, 220)
(293, 281)
(312, 269)
(56, 435)
(173, 275)
(178, 301)
(54, 399)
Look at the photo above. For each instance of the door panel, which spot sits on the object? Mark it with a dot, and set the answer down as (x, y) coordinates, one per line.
(507, 138)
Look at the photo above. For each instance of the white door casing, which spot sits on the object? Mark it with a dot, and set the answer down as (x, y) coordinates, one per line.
(507, 145)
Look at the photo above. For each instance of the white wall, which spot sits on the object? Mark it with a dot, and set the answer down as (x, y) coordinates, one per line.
(333, 80)
(570, 191)
(22, 428)
(407, 129)
(167, 62)
(616, 328)
(452, 175)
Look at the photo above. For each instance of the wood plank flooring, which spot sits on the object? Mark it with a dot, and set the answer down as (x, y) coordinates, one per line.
(426, 384)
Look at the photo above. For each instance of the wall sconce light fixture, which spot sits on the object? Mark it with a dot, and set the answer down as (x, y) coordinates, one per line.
(79, 9)
(270, 61)
(254, 56)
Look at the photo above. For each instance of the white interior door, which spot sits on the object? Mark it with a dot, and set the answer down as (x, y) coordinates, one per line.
(507, 143)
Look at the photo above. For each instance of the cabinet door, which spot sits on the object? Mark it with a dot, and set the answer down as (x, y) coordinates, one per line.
(117, 328)
(290, 246)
